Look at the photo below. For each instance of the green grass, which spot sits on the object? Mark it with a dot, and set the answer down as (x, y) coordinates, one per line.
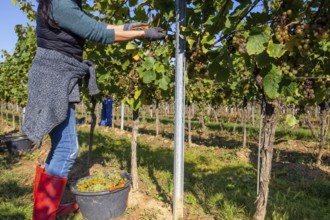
(15, 197)
(282, 132)
(216, 183)
(298, 198)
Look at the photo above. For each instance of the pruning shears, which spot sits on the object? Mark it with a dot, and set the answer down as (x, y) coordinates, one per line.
(143, 27)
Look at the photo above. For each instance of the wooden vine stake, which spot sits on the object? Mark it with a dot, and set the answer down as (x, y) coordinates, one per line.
(91, 136)
(135, 131)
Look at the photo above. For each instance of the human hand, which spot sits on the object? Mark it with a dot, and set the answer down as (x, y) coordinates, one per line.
(152, 34)
(135, 25)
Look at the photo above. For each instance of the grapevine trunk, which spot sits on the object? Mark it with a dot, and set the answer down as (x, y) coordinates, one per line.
(323, 133)
(266, 160)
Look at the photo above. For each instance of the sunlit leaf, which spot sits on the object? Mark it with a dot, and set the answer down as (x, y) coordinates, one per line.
(136, 57)
(291, 120)
(130, 46)
(275, 50)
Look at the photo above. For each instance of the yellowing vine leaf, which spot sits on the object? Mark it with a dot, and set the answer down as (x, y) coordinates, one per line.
(136, 57)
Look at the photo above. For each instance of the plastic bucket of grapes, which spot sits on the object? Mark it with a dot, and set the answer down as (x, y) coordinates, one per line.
(106, 204)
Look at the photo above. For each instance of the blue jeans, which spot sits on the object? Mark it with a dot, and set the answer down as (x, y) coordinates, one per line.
(64, 150)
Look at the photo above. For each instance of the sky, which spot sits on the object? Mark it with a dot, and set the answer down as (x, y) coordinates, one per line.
(9, 17)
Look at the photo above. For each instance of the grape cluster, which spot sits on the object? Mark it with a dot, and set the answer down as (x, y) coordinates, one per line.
(310, 34)
(301, 29)
(288, 69)
(305, 46)
(199, 66)
(100, 182)
(286, 14)
(319, 32)
(241, 67)
(323, 83)
(239, 42)
(303, 32)
(282, 30)
(308, 89)
(282, 33)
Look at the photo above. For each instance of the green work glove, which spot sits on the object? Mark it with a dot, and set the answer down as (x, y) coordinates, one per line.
(152, 34)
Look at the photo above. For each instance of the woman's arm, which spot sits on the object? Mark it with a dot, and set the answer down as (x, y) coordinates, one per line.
(70, 17)
(128, 35)
(121, 35)
(115, 27)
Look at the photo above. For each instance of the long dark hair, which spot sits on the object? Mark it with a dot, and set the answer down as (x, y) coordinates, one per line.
(45, 11)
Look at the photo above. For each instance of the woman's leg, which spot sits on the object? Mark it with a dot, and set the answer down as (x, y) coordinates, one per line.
(51, 181)
(64, 150)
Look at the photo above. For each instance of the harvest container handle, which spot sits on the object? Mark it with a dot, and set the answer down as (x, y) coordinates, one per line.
(113, 188)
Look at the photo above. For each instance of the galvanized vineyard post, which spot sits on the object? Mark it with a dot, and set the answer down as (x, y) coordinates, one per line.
(179, 111)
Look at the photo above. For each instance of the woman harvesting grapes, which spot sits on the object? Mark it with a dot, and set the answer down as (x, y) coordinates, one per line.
(54, 79)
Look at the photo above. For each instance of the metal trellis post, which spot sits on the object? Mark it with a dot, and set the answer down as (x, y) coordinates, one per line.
(179, 111)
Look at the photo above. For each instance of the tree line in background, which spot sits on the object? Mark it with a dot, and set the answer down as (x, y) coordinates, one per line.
(273, 53)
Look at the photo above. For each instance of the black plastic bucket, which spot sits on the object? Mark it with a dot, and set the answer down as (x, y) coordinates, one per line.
(103, 205)
(3, 141)
(19, 144)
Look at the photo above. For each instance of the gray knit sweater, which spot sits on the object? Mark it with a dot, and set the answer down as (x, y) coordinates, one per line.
(53, 83)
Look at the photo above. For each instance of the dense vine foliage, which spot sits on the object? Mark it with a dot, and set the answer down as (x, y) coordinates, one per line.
(13, 78)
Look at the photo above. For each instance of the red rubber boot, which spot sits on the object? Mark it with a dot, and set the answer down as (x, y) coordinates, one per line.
(63, 209)
(39, 171)
(48, 196)
(67, 208)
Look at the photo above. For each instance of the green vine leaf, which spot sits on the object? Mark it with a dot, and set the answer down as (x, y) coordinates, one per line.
(148, 76)
(256, 43)
(263, 60)
(275, 50)
(14, 2)
(164, 82)
(149, 63)
(130, 46)
(291, 120)
(271, 82)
